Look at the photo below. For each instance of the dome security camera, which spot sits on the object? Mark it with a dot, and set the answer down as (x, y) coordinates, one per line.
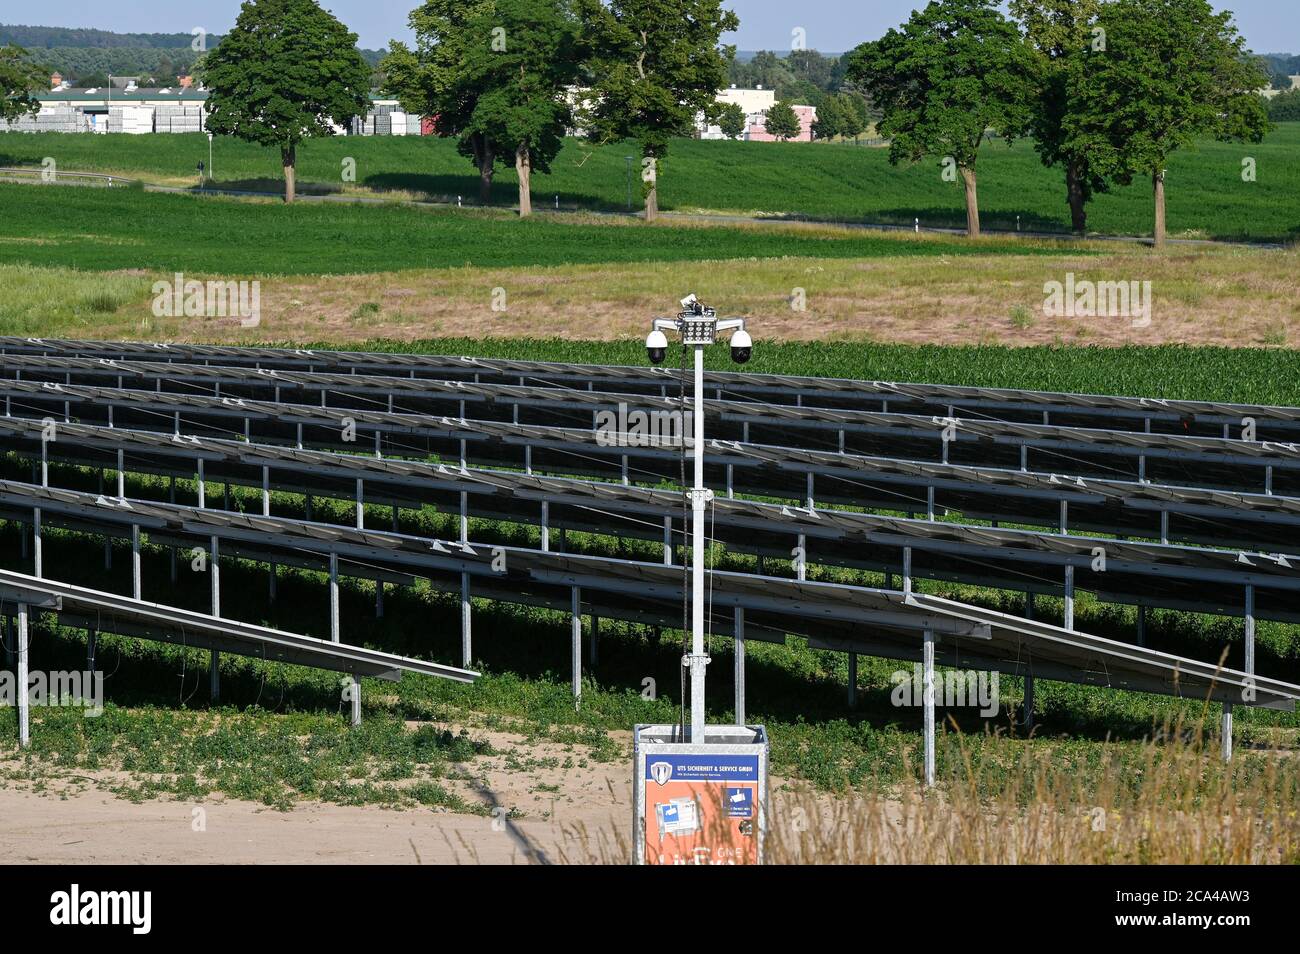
(742, 346)
(656, 346)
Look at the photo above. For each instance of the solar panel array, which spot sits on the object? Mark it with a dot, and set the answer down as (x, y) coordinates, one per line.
(1180, 505)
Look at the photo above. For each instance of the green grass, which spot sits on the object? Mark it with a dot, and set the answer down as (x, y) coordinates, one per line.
(1243, 375)
(826, 181)
(119, 229)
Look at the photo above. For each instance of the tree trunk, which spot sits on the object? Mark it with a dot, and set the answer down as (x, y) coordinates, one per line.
(652, 194)
(1078, 202)
(972, 203)
(288, 159)
(485, 159)
(524, 169)
(1158, 180)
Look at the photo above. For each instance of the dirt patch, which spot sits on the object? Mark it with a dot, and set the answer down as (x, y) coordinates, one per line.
(1230, 298)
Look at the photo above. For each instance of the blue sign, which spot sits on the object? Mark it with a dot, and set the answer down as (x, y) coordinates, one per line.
(701, 768)
(740, 802)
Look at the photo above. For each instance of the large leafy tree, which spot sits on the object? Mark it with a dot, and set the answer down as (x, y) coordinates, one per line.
(523, 58)
(781, 121)
(952, 72)
(431, 79)
(19, 76)
(285, 73)
(658, 66)
(831, 119)
(1173, 71)
(1062, 37)
(731, 120)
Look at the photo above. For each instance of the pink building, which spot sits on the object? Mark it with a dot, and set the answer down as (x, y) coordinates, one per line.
(807, 116)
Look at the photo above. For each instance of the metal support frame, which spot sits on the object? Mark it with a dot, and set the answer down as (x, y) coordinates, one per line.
(739, 665)
(1068, 621)
(927, 702)
(136, 581)
(1027, 703)
(575, 632)
(214, 660)
(24, 715)
(466, 641)
(1248, 666)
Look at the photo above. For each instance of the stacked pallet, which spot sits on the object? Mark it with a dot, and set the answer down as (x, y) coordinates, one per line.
(134, 120)
(179, 118)
(49, 119)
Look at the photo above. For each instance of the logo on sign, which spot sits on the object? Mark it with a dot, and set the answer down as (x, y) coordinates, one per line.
(740, 802)
(661, 772)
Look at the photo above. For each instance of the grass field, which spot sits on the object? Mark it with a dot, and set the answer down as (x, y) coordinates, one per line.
(124, 228)
(1207, 196)
(1225, 298)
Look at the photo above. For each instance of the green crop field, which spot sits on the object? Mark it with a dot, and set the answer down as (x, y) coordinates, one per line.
(127, 228)
(1207, 194)
(1243, 375)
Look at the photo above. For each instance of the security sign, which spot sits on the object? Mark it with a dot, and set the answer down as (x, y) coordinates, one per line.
(700, 804)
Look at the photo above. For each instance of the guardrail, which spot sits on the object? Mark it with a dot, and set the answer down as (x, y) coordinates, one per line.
(54, 177)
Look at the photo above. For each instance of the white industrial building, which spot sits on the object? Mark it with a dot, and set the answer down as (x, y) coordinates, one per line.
(755, 103)
(178, 109)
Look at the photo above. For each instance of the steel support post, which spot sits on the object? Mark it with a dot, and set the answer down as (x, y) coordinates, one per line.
(214, 657)
(740, 665)
(24, 715)
(466, 643)
(697, 660)
(927, 701)
(575, 631)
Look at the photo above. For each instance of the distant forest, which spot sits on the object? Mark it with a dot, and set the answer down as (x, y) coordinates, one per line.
(87, 57)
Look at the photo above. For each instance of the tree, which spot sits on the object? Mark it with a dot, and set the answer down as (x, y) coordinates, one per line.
(1173, 71)
(429, 80)
(955, 70)
(830, 121)
(1061, 35)
(658, 66)
(731, 120)
(19, 76)
(781, 121)
(854, 115)
(285, 72)
(523, 57)
(1285, 107)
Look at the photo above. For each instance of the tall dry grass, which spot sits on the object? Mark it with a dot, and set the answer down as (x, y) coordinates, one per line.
(1176, 803)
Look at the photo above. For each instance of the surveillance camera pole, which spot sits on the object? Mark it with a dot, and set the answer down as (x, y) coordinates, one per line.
(698, 327)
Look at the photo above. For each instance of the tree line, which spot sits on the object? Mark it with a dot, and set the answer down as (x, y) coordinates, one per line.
(508, 78)
(1107, 89)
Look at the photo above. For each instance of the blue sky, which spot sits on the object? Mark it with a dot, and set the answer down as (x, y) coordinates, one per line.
(1270, 26)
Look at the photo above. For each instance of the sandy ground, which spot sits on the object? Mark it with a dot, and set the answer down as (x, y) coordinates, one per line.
(93, 827)
(544, 802)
